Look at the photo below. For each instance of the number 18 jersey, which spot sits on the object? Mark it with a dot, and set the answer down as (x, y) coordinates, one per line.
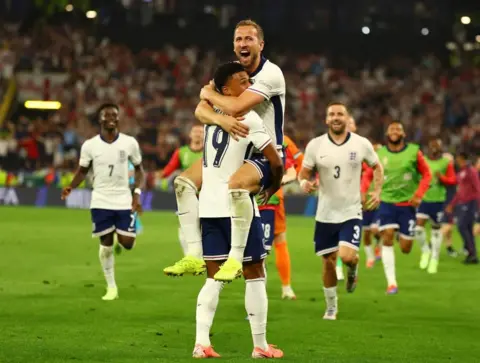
(222, 157)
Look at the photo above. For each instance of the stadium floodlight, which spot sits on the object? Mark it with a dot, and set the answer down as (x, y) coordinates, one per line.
(365, 30)
(91, 14)
(477, 38)
(468, 47)
(425, 31)
(69, 7)
(451, 46)
(465, 20)
(42, 105)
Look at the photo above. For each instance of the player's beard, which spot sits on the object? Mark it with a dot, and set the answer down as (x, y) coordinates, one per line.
(395, 142)
(340, 130)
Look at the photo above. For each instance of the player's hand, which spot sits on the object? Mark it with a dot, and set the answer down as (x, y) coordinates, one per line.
(66, 192)
(374, 200)
(415, 201)
(449, 209)
(136, 204)
(309, 186)
(265, 195)
(234, 126)
(207, 91)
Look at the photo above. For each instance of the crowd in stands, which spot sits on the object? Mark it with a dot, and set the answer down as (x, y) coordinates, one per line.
(158, 91)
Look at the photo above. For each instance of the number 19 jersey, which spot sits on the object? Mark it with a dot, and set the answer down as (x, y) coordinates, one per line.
(109, 161)
(222, 157)
(339, 167)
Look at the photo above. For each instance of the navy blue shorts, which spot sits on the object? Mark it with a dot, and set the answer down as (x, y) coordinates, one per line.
(328, 236)
(263, 167)
(431, 210)
(268, 225)
(217, 236)
(105, 221)
(370, 219)
(399, 217)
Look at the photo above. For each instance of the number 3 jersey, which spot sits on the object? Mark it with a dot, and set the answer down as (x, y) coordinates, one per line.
(339, 167)
(222, 157)
(109, 163)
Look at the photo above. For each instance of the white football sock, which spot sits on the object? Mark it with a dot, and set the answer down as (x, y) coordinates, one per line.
(421, 237)
(207, 303)
(388, 259)
(241, 215)
(182, 241)
(107, 260)
(187, 205)
(331, 298)
(437, 239)
(369, 252)
(256, 304)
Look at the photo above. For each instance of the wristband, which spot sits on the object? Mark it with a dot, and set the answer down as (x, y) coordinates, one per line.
(137, 191)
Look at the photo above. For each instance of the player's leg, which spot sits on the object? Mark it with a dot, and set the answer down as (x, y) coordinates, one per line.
(367, 238)
(339, 269)
(186, 187)
(436, 237)
(256, 300)
(215, 246)
(406, 231)
(387, 227)
(447, 232)
(424, 213)
(282, 254)
(242, 185)
(349, 236)
(103, 227)
(181, 239)
(465, 221)
(376, 235)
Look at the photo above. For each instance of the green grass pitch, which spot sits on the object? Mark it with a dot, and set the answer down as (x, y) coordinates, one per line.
(51, 311)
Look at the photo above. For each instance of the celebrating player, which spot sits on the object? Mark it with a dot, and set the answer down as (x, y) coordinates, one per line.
(338, 157)
(223, 156)
(182, 159)
(433, 204)
(112, 206)
(267, 97)
(274, 221)
(407, 178)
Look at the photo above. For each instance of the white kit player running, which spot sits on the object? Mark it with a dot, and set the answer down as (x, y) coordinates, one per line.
(337, 157)
(112, 206)
(266, 96)
(223, 156)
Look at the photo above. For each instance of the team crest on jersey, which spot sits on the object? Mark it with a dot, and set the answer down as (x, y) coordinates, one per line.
(353, 156)
(122, 156)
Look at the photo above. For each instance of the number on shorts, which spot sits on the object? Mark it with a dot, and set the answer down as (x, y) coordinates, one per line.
(111, 166)
(132, 220)
(411, 226)
(337, 172)
(266, 231)
(356, 232)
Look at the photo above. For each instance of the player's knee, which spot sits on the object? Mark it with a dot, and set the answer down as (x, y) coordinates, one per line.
(107, 240)
(212, 268)
(387, 238)
(330, 261)
(253, 270)
(127, 242)
(183, 184)
(406, 246)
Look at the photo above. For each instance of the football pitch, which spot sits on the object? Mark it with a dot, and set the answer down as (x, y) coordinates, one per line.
(51, 284)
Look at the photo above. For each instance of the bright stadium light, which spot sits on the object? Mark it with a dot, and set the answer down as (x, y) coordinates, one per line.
(451, 46)
(425, 31)
(477, 38)
(91, 14)
(465, 20)
(69, 7)
(42, 105)
(468, 47)
(366, 30)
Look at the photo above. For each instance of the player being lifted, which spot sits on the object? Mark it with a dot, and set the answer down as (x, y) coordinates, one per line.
(182, 159)
(337, 157)
(274, 219)
(407, 178)
(223, 156)
(433, 204)
(266, 97)
(112, 206)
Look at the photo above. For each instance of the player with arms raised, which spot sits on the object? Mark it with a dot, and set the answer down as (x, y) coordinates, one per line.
(223, 156)
(337, 157)
(407, 178)
(433, 204)
(266, 97)
(112, 206)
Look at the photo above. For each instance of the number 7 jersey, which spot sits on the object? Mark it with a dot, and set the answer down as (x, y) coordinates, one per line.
(339, 167)
(109, 164)
(222, 157)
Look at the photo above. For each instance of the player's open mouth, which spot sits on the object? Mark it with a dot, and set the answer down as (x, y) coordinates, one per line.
(244, 53)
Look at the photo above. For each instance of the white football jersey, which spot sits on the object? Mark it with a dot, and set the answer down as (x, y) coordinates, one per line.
(109, 162)
(268, 81)
(339, 168)
(222, 157)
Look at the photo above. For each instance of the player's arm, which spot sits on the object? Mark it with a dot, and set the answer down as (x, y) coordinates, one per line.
(136, 159)
(426, 178)
(173, 164)
(235, 106)
(371, 158)
(290, 173)
(366, 178)
(207, 115)
(81, 173)
(449, 178)
(307, 171)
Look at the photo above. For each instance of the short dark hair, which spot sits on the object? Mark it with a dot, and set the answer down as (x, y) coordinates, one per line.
(337, 103)
(104, 106)
(463, 154)
(224, 72)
